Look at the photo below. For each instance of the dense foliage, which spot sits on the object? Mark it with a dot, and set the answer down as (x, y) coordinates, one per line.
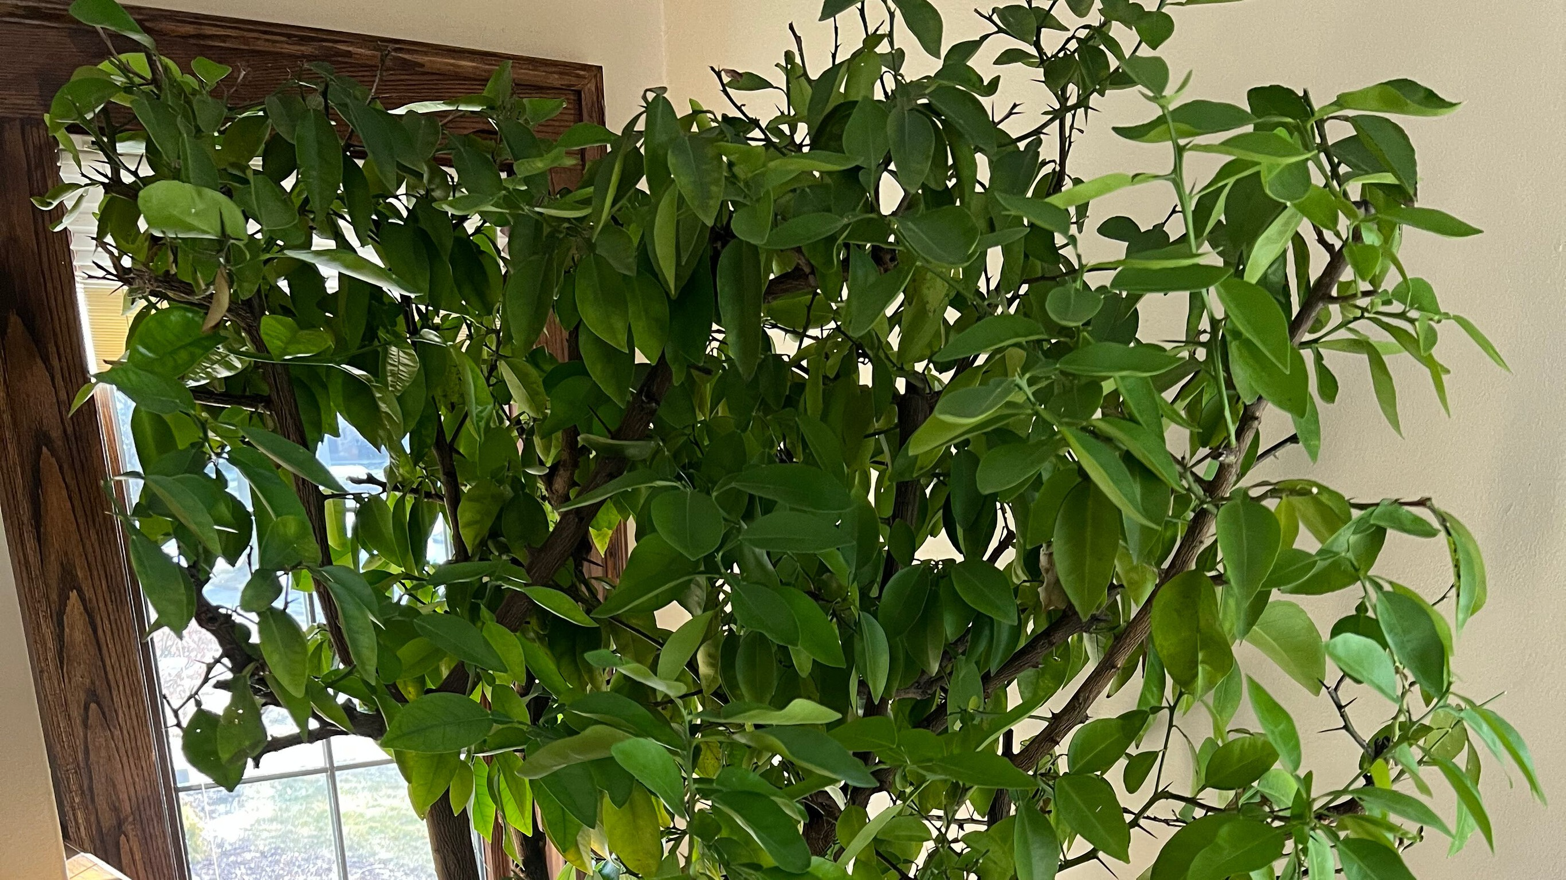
(902, 464)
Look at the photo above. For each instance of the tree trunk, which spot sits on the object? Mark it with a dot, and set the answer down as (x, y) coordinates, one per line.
(534, 850)
(451, 841)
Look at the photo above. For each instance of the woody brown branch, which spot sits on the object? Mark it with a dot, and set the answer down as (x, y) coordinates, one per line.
(1196, 537)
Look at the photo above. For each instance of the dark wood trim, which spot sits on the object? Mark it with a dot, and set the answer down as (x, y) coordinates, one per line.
(96, 682)
(91, 666)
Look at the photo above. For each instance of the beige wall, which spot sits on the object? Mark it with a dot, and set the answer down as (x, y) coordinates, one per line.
(1497, 462)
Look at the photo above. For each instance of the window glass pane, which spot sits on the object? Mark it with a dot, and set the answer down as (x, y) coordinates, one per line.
(383, 838)
(279, 829)
(348, 750)
(268, 828)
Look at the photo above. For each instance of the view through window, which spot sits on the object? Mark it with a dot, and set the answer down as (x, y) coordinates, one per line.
(337, 808)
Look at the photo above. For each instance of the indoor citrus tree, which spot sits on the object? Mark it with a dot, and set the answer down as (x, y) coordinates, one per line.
(913, 488)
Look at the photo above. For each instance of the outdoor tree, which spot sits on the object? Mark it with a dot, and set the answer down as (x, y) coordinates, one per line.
(914, 484)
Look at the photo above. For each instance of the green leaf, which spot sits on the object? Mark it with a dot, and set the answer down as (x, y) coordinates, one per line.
(284, 648)
(799, 486)
(110, 16)
(741, 286)
(1430, 220)
(438, 722)
(356, 607)
(1369, 860)
(1099, 744)
(942, 236)
(1239, 762)
(1319, 856)
(1414, 639)
(1257, 315)
(979, 769)
(1289, 638)
(601, 301)
(459, 638)
(1187, 633)
(986, 589)
(698, 172)
(1109, 359)
(1468, 795)
(812, 749)
(1191, 119)
(1035, 845)
(872, 655)
(1089, 190)
(989, 334)
(1482, 341)
(633, 480)
(1400, 96)
(320, 156)
(353, 265)
(924, 21)
(1278, 725)
(654, 767)
(559, 604)
(1086, 539)
(1039, 212)
(787, 531)
(683, 645)
(1366, 662)
(818, 635)
(1400, 804)
(295, 458)
(1468, 562)
(1088, 806)
(1513, 743)
(1249, 539)
(1387, 141)
(1170, 279)
(165, 584)
(775, 830)
(1265, 147)
(592, 744)
(1138, 767)
(1011, 465)
(1073, 305)
(654, 575)
(177, 209)
(804, 229)
(798, 711)
(633, 831)
(911, 138)
(1108, 473)
(690, 521)
(189, 508)
(1218, 846)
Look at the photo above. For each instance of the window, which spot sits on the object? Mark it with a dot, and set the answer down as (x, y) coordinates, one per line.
(335, 808)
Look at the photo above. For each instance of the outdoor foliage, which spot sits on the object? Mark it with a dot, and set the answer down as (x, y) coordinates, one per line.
(901, 462)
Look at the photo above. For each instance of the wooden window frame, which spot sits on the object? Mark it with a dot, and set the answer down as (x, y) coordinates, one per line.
(93, 669)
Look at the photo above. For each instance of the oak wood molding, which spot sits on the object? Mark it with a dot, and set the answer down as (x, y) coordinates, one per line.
(92, 668)
(83, 616)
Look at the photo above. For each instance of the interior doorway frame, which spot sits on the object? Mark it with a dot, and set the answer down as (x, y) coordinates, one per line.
(92, 667)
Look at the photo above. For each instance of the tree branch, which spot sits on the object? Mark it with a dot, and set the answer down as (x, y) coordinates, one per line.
(284, 407)
(1196, 536)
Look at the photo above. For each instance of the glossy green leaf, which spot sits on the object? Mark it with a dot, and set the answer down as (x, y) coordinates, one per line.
(690, 521)
(438, 722)
(1088, 806)
(1187, 634)
(1289, 638)
(1086, 539)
